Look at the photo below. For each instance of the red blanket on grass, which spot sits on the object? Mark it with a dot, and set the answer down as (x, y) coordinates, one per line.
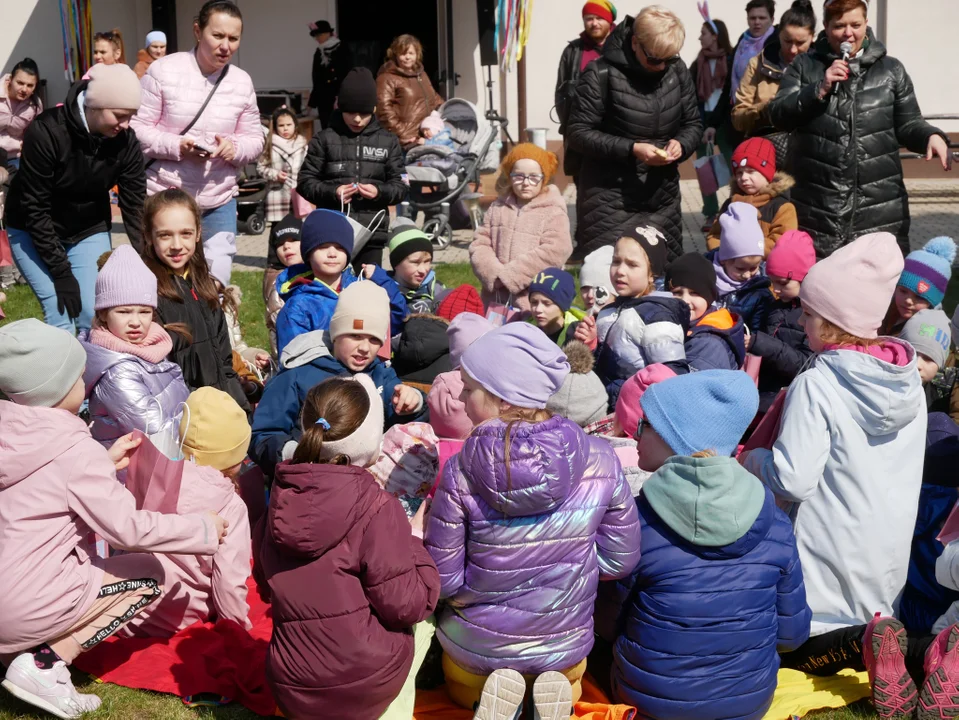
(221, 658)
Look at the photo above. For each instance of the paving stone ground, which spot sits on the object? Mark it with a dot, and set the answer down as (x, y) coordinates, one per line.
(934, 205)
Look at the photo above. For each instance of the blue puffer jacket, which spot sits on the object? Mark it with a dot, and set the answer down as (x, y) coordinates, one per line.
(924, 599)
(717, 342)
(782, 344)
(751, 301)
(718, 590)
(636, 332)
(309, 304)
(307, 361)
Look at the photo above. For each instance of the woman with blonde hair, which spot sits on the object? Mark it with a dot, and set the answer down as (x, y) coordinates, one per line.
(404, 94)
(636, 118)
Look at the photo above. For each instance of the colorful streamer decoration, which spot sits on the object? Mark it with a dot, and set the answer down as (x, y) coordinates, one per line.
(76, 24)
(513, 21)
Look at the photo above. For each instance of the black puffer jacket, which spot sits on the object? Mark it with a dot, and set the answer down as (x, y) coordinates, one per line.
(338, 156)
(423, 351)
(631, 105)
(207, 361)
(61, 194)
(784, 348)
(846, 147)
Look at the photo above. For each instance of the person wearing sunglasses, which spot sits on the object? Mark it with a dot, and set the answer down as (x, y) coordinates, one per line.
(635, 119)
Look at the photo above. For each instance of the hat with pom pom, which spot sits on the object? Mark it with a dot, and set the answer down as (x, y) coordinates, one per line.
(582, 396)
(928, 271)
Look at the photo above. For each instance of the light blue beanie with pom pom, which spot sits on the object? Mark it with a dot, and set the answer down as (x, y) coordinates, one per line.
(928, 271)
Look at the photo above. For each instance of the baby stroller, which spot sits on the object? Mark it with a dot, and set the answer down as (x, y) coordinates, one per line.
(439, 175)
(251, 202)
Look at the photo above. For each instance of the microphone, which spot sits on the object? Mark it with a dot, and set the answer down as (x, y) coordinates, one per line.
(846, 50)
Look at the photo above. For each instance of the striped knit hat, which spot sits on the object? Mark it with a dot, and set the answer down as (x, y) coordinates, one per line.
(406, 239)
(601, 8)
(928, 271)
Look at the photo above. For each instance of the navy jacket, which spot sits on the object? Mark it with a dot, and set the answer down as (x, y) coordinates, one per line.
(700, 626)
(307, 361)
(782, 344)
(717, 342)
(751, 301)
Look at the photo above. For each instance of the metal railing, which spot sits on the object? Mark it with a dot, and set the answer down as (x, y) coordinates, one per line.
(952, 146)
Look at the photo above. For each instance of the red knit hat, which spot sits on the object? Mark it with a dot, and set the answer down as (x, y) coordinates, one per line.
(462, 299)
(792, 257)
(601, 8)
(759, 154)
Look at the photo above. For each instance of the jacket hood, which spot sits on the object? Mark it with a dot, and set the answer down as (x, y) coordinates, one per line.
(301, 276)
(313, 507)
(423, 342)
(546, 460)
(728, 326)
(391, 67)
(875, 50)
(72, 113)
(32, 437)
(770, 60)
(782, 183)
(710, 502)
(618, 52)
(305, 348)
(881, 397)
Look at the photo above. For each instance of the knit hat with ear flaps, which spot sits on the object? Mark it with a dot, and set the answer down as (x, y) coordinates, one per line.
(852, 288)
(125, 280)
(215, 431)
(928, 271)
(39, 364)
(362, 446)
(362, 309)
(357, 92)
(548, 161)
(114, 87)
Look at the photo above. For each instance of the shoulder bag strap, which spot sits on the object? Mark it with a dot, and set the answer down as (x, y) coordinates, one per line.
(199, 112)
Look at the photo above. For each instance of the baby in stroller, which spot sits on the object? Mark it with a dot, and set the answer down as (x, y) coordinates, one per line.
(437, 148)
(433, 131)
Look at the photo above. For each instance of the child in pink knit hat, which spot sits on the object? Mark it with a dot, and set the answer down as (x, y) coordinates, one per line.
(849, 459)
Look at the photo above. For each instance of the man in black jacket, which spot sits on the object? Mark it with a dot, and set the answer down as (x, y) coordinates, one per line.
(356, 166)
(598, 21)
(58, 212)
(331, 62)
(635, 119)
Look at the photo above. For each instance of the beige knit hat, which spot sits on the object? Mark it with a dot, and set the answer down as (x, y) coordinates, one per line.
(214, 430)
(362, 309)
(115, 87)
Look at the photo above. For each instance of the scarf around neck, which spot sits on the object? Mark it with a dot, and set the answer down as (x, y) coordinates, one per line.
(327, 48)
(156, 346)
(707, 82)
(748, 48)
(724, 283)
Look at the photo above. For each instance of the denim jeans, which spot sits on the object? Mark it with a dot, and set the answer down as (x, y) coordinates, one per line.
(83, 259)
(14, 162)
(219, 240)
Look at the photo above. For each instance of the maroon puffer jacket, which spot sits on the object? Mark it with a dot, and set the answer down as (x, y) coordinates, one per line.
(347, 580)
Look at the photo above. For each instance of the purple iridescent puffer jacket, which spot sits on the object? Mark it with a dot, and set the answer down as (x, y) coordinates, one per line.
(522, 545)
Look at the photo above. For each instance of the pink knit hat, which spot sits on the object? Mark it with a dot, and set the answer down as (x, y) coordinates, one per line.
(792, 256)
(125, 280)
(447, 411)
(852, 288)
(628, 410)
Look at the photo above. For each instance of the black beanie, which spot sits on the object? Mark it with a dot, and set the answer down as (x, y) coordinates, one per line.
(287, 229)
(357, 92)
(695, 272)
(653, 243)
(406, 239)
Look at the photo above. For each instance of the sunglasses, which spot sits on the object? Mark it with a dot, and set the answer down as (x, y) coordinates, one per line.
(650, 58)
(639, 429)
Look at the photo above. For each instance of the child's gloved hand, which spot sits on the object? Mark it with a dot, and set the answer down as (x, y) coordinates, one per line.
(406, 400)
(219, 523)
(121, 451)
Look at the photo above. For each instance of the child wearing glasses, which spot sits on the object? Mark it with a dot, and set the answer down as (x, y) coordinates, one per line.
(525, 231)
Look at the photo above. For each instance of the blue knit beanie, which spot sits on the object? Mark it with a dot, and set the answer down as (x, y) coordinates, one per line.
(707, 410)
(928, 271)
(325, 226)
(557, 285)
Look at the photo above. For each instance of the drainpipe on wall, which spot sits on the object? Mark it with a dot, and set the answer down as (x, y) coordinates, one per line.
(880, 25)
(521, 93)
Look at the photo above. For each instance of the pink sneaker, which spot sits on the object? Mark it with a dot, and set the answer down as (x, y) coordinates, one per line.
(883, 653)
(940, 693)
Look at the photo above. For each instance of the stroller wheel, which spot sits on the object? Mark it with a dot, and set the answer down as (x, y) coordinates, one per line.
(255, 224)
(440, 232)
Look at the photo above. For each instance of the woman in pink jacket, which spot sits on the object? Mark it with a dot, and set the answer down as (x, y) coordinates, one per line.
(19, 105)
(227, 135)
(57, 487)
(526, 230)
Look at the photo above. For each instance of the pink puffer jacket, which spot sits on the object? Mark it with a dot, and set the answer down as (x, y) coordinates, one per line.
(15, 116)
(174, 88)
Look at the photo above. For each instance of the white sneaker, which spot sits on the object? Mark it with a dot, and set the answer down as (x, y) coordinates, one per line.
(502, 697)
(52, 690)
(552, 697)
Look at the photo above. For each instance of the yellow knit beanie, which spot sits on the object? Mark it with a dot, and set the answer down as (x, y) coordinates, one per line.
(214, 430)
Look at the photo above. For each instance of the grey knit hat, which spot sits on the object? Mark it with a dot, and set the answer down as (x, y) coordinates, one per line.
(928, 332)
(582, 397)
(39, 364)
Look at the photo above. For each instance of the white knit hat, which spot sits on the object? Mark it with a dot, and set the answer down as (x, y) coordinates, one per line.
(362, 309)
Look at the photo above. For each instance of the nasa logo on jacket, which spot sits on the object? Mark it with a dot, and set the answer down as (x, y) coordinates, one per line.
(375, 153)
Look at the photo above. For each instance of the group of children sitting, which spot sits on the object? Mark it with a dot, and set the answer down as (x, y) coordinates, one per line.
(572, 484)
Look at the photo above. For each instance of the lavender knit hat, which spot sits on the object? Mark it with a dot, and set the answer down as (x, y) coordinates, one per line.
(741, 234)
(125, 280)
(517, 363)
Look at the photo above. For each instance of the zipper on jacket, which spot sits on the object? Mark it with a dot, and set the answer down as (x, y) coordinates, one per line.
(855, 150)
(426, 97)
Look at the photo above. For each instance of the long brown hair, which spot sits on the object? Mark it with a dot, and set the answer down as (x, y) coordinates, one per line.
(722, 36)
(399, 46)
(343, 405)
(277, 114)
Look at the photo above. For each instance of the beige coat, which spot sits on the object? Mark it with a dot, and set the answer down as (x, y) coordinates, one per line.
(758, 87)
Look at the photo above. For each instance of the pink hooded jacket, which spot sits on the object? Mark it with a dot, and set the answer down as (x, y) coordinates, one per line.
(15, 116)
(516, 242)
(197, 587)
(57, 484)
(174, 88)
